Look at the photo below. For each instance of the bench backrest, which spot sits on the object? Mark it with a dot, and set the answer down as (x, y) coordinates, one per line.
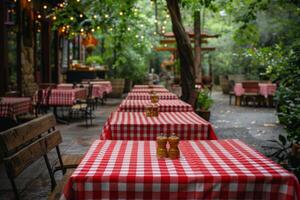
(251, 86)
(24, 144)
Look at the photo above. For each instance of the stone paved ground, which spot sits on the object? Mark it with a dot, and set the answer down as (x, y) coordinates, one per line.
(252, 125)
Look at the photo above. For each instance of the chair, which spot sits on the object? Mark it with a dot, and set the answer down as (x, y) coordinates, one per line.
(34, 139)
(251, 92)
(85, 106)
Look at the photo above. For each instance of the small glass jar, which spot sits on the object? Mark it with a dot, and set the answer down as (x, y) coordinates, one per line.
(174, 152)
(148, 110)
(155, 110)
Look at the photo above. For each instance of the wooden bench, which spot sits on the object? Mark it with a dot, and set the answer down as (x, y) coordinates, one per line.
(21, 146)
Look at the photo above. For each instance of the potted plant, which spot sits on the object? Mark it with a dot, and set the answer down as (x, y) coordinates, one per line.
(203, 104)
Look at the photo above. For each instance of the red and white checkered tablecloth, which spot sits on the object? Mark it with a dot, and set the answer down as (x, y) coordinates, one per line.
(136, 126)
(67, 97)
(106, 84)
(164, 106)
(147, 90)
(98, 89)
(217, 169)
(265, 89)
(147, 86)
(146, 96)
(13, 106)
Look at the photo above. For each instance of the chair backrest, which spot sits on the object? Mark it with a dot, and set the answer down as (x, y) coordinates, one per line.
(251, 86)
(23, 145)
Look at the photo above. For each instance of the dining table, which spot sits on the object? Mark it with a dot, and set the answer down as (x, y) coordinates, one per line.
(98, 90)
(107, 85)
(14, 106)
(146, 96)
(147, 86)
(66, 97)
(137, 126)
(206, 169)
(265, 89)
(147, 90)
(175, 105)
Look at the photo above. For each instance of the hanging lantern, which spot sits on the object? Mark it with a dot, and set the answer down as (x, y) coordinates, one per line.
(90, 42)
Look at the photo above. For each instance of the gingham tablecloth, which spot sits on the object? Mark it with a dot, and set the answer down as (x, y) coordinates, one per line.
(217, 169)
(67, 97)
(146, 96)
(164, 106)
(98, 89)
(147, 90)
(106, 84)
(136, 126)
(13, 106)
(265, 89)
(147, 86)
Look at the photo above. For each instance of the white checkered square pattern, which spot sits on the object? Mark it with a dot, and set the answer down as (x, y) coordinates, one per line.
(199, 173)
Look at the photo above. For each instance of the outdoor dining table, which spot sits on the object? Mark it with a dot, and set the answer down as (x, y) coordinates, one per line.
(146, 96)
(97, 91)
(13, 106)
(137, 126)
(66, 97)
(147, 90)
(147, 86)
(215, 169)
(265, 89)
(163, 106)
(106, 84)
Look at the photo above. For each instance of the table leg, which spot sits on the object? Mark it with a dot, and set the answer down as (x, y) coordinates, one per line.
(238, 100)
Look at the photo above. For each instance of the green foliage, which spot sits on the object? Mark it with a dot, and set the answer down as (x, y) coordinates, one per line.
(94, 60)
(204, 100)
(288, 95)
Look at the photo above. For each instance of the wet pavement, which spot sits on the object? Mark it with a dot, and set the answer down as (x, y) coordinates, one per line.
(252, 125)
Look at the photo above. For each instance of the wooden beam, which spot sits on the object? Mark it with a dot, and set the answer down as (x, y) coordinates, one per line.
(45, 50)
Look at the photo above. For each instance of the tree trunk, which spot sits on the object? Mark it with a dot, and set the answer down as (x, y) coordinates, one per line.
(197, 56)
(184, 50)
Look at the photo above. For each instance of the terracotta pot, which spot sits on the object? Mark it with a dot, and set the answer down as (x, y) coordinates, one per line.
(204, 114)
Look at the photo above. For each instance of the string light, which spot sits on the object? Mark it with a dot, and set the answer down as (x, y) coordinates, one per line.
(106, 16)
(71, 18)
(39, 16)
(121, 13)
(142, 37)
(81, 15)
(45, 7)
(137, 36)
(128, 28)
(98, 27)
(81, 30)
(93, 30)
(28, 1)
(95, 16)
(54, 17)
(78, 0)
(155, 33)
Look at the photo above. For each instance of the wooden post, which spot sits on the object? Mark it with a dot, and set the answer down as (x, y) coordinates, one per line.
(197, 47)
(3, 50)
(45, 50)
(19, 44)
(56, 57)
